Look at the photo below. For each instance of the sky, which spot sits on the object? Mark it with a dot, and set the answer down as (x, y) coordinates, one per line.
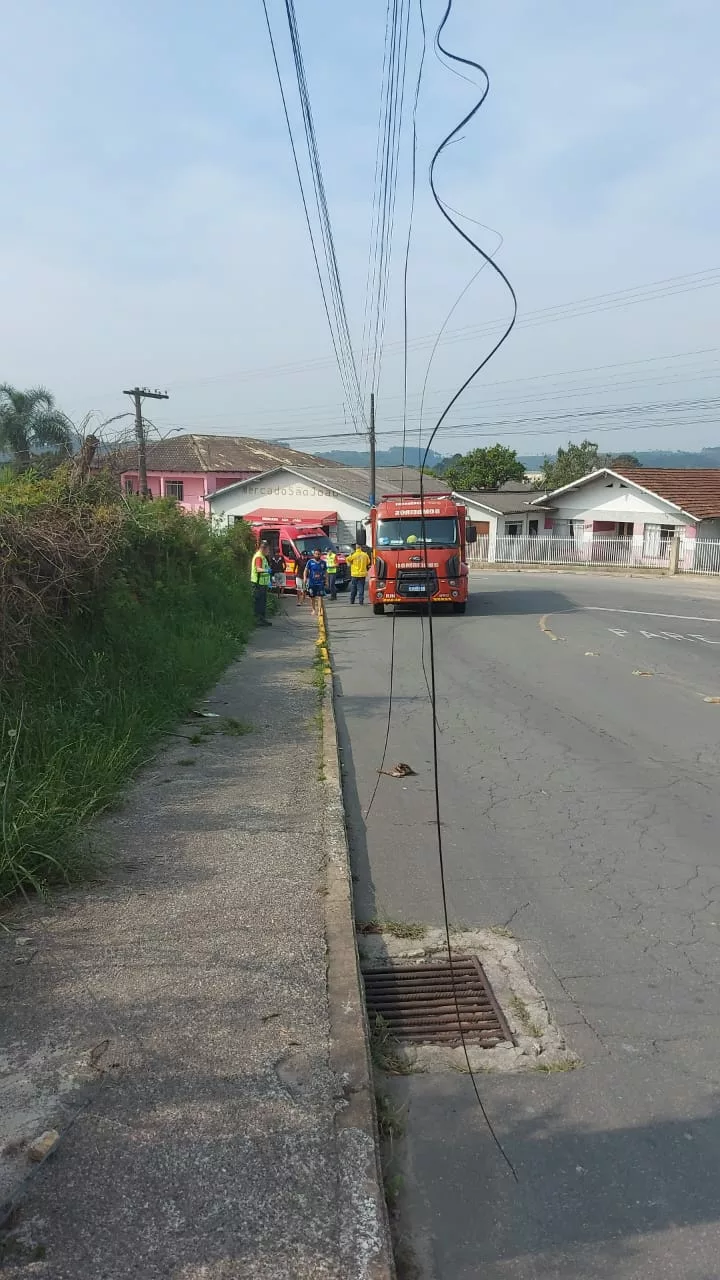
(151, 230)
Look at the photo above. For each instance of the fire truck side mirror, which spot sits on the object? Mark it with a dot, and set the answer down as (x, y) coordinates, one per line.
(471, 534)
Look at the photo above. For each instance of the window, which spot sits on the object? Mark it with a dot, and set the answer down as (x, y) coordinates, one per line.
(307, 545)
(568, 529)
(533, 526)
(657, 539)
(625, 530)
(287, 550)
(129, 485)
(435, 531)
(512, 529)
(174, 489)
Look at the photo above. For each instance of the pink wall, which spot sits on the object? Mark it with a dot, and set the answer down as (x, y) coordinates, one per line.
(195, 484)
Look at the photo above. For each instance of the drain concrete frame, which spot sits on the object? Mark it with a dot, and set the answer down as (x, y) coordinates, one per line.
(539, 1043)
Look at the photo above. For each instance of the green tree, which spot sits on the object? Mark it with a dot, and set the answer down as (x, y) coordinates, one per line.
(571, 464)
(484, 468)
(30, 420)
(625, 460)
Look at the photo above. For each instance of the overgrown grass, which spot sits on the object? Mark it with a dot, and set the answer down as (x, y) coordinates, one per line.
(96, 690)
(524, 1017)
(386, 1053)
(409, 929)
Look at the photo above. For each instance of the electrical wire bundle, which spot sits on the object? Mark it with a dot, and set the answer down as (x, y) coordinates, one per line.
(328, 273)
(387, 158)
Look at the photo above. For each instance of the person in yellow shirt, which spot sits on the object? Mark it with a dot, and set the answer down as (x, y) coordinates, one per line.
(359, 562)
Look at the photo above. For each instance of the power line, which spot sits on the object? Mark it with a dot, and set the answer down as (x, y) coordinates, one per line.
(406, 266)
(655, 291)
(385, 187)
(339, 328)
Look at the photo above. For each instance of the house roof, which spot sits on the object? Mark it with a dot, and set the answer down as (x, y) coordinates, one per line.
(503, 502)
(193, 453)
(350, 482)
(694, 491)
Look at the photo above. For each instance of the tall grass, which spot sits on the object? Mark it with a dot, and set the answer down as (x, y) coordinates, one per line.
(97, 689)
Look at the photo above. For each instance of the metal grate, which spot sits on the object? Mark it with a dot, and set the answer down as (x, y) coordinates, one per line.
(418, 1003)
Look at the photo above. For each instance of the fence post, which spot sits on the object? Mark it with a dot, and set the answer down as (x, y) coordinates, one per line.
(675, 552)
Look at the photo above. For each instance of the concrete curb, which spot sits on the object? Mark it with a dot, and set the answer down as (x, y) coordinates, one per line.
(367, 1235)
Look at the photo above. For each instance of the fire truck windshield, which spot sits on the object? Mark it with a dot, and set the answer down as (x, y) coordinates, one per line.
(434, 531)
(307, 545)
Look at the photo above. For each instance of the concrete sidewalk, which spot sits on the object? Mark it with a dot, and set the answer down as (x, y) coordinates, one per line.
(174, 1024)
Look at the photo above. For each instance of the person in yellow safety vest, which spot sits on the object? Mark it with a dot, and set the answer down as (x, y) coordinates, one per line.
(331, 569)
(260, 579)
(359, 562)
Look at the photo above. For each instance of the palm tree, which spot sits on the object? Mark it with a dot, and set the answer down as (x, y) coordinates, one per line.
(30, 420)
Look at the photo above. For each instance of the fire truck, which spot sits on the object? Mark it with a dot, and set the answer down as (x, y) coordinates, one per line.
(294, 538)
(418, 551)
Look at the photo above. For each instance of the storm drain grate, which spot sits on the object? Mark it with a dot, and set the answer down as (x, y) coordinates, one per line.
(417, 1002)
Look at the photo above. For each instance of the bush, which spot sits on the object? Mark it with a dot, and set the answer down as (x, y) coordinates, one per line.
(142, 608)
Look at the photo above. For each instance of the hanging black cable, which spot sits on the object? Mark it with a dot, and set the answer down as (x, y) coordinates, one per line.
(433, 685)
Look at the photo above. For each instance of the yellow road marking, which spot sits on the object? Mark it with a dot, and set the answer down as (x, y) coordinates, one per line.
(543, 625)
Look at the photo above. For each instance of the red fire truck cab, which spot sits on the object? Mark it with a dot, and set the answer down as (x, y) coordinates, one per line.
(418, 551)
(292, 537)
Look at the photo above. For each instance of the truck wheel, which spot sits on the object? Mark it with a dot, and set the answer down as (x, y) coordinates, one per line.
(459, 606)
(378, 608)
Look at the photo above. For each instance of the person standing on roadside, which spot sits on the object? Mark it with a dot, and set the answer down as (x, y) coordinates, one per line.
(359, 562)
(315, 580)
(331, 569)
(277, 572)
(260, 579)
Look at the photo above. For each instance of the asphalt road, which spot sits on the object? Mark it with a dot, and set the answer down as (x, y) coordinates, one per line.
(581, 808)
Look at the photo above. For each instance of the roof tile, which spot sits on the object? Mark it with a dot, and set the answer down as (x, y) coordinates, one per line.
(693, 489)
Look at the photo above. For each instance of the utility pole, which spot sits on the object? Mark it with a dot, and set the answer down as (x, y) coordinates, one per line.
(372, 448)
(138, 394)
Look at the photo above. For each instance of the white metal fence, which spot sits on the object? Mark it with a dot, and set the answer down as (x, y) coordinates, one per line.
(692, 555)
(699, 556)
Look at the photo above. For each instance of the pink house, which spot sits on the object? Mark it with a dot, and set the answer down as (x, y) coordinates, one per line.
(190, 467)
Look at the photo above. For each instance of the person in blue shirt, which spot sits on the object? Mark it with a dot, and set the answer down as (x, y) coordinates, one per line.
(315, 580)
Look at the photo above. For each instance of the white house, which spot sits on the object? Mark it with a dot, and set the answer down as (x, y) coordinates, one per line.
(647, 505)
(513, 510)
(337, 497)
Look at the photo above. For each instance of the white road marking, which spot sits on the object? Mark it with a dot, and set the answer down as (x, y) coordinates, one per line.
(642, 613)
(663, 635)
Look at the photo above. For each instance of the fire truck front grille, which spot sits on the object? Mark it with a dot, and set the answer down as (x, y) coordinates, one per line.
(417, 582)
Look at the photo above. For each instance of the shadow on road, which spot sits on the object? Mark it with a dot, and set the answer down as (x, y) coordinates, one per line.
(589, 1202)
(504, 602)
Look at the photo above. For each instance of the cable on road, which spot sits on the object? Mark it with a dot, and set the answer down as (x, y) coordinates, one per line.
(489, 261)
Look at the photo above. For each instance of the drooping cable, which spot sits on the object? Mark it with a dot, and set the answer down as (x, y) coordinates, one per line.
(433, 683)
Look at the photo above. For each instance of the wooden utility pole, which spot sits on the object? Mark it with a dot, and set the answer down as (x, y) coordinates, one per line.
(138, 394)
(372, 448)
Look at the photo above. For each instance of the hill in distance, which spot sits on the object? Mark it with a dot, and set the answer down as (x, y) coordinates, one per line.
(383, 457)
(709, 457)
